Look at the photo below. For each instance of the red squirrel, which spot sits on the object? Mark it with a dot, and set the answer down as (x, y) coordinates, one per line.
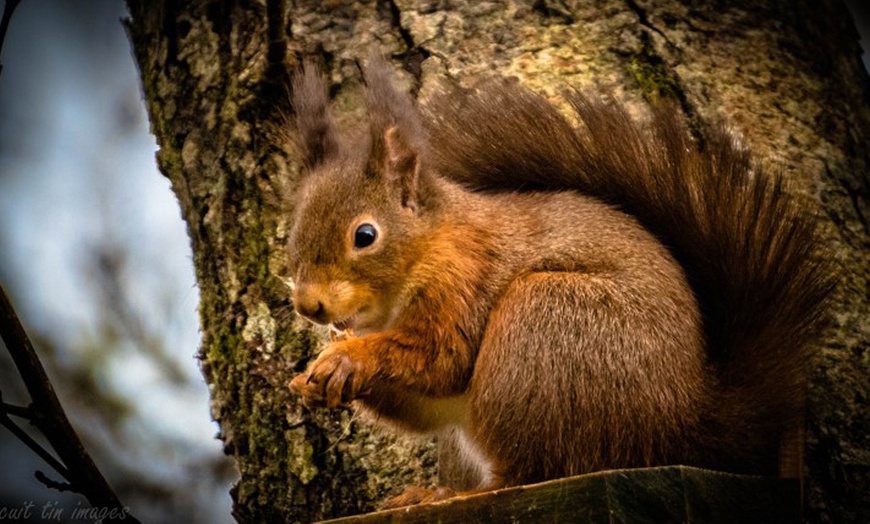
(562, 296)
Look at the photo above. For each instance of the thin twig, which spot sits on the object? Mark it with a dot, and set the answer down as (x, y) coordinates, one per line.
(15, 411)
(8, 9)
(48, 415)
(52, 484)
(21, 435)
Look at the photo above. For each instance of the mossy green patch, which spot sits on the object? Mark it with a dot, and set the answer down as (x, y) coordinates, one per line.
(651, 74)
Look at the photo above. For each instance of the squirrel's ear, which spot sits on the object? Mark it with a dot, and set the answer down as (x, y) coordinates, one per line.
(315, 135)
(402, 166)
(396, 134)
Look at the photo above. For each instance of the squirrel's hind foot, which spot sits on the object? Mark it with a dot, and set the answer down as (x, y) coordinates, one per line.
(413, 495)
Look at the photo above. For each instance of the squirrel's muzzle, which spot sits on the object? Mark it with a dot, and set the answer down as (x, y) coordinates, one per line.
(308, 303)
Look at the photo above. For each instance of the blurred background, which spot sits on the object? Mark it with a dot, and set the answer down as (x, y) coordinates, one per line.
(95, 257)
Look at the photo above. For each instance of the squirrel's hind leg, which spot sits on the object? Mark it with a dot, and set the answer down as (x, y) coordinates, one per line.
(581, 372)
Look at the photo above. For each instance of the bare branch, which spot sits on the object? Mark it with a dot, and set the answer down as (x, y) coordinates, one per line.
(48, 415)
(21, 435)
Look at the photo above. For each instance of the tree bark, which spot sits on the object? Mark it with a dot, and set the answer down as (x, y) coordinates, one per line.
(786, 76)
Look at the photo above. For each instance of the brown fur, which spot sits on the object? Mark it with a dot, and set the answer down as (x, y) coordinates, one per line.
(563, 299)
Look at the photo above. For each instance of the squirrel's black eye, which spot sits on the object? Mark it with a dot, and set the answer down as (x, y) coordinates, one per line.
(364, 236)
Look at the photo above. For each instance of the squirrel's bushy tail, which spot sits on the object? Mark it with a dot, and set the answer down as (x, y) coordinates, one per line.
(747, 247)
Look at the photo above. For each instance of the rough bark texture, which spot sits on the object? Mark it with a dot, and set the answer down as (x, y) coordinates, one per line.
(786, 75)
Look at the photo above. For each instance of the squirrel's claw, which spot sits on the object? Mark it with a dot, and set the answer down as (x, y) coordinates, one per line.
(301, 386)
(335, 378)
(413, 495)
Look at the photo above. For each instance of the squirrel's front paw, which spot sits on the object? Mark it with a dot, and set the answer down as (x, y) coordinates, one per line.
(334, 378)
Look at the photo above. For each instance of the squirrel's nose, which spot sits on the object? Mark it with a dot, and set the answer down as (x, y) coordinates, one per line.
(309, 305)
(314, 311)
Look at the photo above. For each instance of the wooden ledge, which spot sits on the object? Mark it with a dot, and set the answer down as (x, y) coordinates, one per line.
(664, 494)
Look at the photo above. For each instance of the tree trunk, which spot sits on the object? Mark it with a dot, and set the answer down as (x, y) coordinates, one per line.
(785, 75)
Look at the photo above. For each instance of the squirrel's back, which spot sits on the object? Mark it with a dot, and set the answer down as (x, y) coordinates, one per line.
(747, 247)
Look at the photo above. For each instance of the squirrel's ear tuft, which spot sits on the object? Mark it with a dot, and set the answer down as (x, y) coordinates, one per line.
(402, 166)
(396, 134)
(315, 135)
